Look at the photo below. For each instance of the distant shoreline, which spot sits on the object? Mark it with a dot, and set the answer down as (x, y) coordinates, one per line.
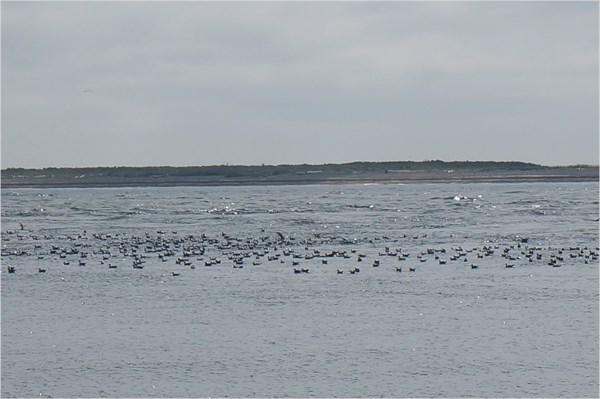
(407, 177)
(393, 172)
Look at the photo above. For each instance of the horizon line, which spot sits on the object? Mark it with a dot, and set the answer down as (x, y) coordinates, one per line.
(295, 164)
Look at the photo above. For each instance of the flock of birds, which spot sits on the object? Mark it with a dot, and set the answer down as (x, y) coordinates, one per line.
(189, 251)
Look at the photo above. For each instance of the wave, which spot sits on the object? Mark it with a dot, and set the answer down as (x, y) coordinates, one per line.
(24, 212)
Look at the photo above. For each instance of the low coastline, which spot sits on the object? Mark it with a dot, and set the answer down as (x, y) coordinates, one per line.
(562, 174)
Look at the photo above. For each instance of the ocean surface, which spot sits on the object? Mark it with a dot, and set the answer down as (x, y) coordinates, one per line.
(186, 323)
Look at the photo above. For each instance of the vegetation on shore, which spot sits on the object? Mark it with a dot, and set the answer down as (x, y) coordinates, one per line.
(409, 171)
(273, 170)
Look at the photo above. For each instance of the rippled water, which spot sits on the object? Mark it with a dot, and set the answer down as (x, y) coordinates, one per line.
(442, 331)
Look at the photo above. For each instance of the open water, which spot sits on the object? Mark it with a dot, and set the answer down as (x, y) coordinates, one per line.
(444, 330)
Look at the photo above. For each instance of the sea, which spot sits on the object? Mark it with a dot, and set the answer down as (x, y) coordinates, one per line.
(349, 290)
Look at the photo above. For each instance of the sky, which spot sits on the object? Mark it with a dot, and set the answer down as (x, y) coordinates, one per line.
(250, 83)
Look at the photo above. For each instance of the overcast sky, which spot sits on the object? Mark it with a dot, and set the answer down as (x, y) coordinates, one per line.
(203, 83)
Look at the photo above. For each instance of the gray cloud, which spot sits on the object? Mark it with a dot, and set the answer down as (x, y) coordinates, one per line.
(247, 83)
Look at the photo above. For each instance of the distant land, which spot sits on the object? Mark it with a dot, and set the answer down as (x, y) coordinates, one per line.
(354, 172)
